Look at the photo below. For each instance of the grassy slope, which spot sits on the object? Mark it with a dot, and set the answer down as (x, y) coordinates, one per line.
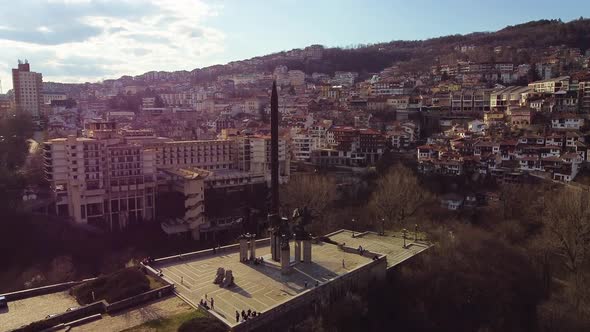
(168, 324)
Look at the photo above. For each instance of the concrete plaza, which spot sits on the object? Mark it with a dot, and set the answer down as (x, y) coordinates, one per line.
(257, 287)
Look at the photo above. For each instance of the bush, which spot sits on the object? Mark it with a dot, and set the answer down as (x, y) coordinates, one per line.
(202, 324)
(114, 287)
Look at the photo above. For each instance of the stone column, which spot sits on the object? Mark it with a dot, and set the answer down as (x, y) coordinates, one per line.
(285, 260)
(252, 248)
(243, 249)
(275, 246)
(307, 251)
(297, 251)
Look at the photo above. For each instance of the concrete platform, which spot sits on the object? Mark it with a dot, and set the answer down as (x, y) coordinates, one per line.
(26, 311)
(258, 287)
(390, 244)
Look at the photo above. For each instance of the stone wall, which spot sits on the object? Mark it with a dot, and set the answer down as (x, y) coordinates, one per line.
(25, 293)
(359, 277)
(208, 252)
(141, 298)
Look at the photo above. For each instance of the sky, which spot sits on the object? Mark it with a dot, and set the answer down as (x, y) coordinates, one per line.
(90, 40)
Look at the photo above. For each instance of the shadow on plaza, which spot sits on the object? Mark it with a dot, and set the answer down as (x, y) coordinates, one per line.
(298, 274)
(237, 289)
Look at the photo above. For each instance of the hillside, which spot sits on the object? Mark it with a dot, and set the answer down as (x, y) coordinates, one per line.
(521, 43)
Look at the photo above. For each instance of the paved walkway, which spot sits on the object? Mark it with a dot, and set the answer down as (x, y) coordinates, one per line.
(26, 311)
(136, 316)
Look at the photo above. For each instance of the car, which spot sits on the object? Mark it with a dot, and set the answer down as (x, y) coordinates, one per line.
(3, 302)
(71, 309)
(50, 316)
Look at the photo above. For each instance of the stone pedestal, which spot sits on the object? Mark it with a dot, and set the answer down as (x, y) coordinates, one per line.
(307, 251)
(252, 248)
(243, 249)
(297, 252)
(275, 246)
(285, 260)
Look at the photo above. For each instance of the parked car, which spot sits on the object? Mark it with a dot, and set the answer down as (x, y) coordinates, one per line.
(50, 316)
(3, 302)
(71, 308)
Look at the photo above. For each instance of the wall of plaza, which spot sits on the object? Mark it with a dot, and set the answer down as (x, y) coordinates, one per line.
(296, 309)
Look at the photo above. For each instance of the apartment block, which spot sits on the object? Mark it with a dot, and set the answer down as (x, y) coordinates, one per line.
(101, 180)
(27, 89)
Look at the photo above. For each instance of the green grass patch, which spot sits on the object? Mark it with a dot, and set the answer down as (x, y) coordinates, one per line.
(168, 324)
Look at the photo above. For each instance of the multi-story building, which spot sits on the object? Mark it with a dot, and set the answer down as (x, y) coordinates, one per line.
(584, 96)
(5, 106)
(260, 158)
(296, 77)
(101, 179)
(470, 101)
(27, 87)
(205, 154)
(48, 97)
(514, 96)
(552, 85)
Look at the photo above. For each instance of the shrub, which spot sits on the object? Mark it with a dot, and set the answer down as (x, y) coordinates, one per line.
(202, 324)
(114, 287)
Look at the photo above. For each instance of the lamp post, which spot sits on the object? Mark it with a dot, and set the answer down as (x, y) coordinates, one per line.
(353, 221)
(405, 233)
(416, 233)
(382, 226)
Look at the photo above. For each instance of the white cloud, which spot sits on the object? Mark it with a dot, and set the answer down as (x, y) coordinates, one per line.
(170, 36)
(44, 29)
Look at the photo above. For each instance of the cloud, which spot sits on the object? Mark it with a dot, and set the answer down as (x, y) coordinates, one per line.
(88, 40)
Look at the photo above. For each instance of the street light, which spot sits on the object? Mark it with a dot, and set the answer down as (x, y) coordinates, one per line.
(405, 233)
(382, 226)
(416, 232)
(352, 227)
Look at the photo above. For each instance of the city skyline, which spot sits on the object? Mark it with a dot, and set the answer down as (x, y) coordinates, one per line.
(86, 40)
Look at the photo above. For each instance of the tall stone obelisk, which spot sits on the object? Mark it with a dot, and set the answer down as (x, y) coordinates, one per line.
(273, 216)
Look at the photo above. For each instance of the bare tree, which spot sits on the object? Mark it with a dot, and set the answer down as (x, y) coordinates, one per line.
(315, 192)
(398, 195)
(567, 226)
(567, 232)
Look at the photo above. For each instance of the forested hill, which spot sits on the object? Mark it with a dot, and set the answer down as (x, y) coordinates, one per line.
(522, 43)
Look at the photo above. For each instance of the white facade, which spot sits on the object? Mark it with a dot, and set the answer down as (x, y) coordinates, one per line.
(103, 182)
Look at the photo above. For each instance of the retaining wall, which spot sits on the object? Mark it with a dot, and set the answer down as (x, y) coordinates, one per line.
(360, 277)
(25, 293)
(138, 299)
(208, 252)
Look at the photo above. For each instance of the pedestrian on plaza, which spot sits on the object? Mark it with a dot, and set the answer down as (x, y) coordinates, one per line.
(343, 266)
(212, 303)
(181, 280)
(305, 283)
(237, 317)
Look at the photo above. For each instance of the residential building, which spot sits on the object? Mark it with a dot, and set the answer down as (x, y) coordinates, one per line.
(101, 180)
(551, 85)
(27, 87)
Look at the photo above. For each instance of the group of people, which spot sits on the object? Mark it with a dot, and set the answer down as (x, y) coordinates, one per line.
(245, 315)
(147, 261)
(258, 261)
(206, 301)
